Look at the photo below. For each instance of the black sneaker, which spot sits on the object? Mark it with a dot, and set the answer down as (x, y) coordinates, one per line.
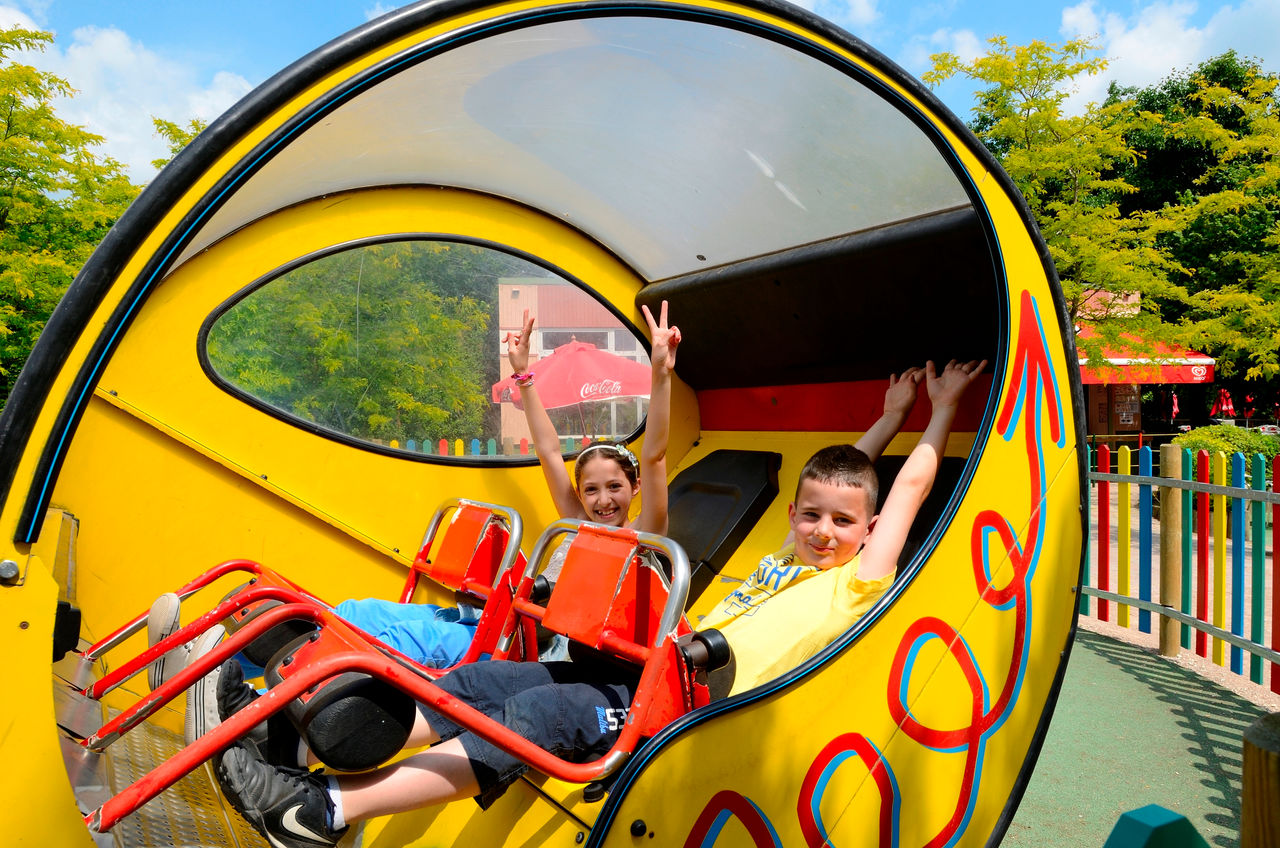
(233, 693)
(276, 739)
(290, 807)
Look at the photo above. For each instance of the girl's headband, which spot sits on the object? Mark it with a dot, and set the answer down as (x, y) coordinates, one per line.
(619, 450)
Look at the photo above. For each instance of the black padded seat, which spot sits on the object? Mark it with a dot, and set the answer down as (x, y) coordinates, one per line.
(713, 505)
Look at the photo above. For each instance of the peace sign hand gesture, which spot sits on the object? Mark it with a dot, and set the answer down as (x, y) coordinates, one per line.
(665, 340)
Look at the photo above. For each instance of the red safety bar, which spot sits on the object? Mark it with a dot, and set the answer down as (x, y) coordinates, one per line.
(633, 615)
(479, 555)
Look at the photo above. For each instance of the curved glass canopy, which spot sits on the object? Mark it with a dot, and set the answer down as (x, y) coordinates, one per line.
(677, 144)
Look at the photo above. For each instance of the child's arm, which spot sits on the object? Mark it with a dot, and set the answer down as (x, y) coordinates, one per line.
(912, 485)
(546, 442)
(898, 400)
(657, 428)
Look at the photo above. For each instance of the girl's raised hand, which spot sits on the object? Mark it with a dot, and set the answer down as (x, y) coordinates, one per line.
(518, 346)
(665, 339)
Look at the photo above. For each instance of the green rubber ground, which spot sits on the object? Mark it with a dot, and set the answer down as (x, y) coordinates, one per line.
(1131, 729)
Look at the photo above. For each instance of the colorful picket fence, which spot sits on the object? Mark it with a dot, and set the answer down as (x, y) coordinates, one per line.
(1202, 553)
(475, 447)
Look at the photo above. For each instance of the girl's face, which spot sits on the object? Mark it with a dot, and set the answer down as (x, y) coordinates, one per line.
(605, 491)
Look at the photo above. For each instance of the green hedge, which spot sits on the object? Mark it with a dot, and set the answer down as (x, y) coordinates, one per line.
(1229, 440)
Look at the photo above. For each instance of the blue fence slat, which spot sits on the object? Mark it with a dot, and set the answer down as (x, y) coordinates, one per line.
(1144, 538)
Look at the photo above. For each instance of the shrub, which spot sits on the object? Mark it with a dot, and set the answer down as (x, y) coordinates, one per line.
(1229, 440)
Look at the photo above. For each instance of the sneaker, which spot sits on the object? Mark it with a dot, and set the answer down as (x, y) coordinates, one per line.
(291, 807)
(276, 739)
(202, 700)
(162, 622)
(233, 693)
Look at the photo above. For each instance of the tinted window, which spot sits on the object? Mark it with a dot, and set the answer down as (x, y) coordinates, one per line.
(400, 344)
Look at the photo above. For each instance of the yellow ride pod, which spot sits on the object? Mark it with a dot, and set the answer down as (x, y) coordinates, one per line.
(290, 350)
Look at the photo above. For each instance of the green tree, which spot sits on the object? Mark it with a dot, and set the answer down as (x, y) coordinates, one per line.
(1209, 167)
(57, 199)
(1069, 168)
(391, 341)
(176, 135)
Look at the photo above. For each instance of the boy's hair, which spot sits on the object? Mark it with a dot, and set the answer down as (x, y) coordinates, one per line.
(842, 465)
(616, 451)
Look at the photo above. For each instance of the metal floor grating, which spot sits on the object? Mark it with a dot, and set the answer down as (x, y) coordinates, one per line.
(190, 814)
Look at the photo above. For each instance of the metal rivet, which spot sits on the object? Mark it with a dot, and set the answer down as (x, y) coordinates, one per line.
(638, 827)
(580, 838)
(23, 625)
(8, 570)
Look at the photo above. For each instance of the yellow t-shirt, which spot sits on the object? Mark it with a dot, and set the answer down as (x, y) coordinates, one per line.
(786, 612)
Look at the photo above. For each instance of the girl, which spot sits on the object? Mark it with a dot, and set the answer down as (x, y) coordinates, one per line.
(606, 474)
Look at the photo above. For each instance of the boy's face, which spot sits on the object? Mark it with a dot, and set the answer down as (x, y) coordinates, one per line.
(830, 523)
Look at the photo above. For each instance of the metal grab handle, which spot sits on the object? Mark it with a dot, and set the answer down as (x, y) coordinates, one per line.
(515, 530)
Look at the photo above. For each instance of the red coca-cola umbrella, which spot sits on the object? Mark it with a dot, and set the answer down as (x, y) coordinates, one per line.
(577, 373)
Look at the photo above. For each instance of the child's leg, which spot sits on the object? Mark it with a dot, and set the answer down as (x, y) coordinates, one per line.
(437, 776)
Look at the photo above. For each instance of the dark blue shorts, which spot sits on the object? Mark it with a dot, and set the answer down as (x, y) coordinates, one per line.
(573, 710)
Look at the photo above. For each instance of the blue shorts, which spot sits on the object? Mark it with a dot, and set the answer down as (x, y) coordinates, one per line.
(436, 637)
(574, 710)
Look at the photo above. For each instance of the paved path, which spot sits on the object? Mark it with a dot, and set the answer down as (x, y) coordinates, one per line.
(1132, 729)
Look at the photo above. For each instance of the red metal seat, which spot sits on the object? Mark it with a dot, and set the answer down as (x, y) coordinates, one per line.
(609, 597)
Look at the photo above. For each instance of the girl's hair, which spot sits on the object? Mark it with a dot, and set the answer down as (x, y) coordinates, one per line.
(842, 465)
(612, 450)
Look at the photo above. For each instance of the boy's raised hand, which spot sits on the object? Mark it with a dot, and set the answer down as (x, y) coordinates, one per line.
(901, 394)
(665, 340)
(946, 389)
(518, 346)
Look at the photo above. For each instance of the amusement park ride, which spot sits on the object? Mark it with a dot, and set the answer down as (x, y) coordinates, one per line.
(816, 221)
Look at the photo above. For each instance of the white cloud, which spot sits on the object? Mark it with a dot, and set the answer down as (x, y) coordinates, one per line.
(861, 12)
(1252, 29)
(965, 43)
(377, 10)
(120, 85)
(11, 17)
(853, 15)
(1148, 43)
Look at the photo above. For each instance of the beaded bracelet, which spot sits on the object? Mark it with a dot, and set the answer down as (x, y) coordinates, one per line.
(523, 379)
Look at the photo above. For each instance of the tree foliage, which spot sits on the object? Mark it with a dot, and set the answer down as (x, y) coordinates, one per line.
(1160, 207)
(1066, 166)
(176, 135)
(57, 199)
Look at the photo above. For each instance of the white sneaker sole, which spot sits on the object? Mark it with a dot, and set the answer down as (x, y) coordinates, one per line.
(162, 622)
(202, 697)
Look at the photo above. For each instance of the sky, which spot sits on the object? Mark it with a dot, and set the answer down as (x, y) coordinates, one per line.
(131, 60)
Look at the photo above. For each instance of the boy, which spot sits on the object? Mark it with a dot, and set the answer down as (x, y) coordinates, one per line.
(843, 568)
